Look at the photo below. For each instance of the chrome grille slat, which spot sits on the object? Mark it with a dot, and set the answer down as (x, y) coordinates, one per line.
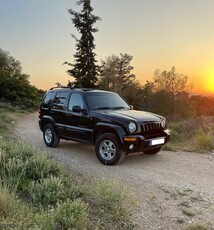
(150, 128)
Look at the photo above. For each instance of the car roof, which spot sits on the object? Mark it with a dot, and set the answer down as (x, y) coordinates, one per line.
(86, 90)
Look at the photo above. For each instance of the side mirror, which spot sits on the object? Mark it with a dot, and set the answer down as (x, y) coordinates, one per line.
(131, 107)
(76, 109)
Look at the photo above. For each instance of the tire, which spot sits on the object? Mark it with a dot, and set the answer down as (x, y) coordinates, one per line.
(50, 137)
(152, 151)
(108, 150)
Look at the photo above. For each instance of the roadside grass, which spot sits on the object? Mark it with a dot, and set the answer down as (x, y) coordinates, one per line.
(48, 191)
(194, 135)
(36, 192)
(189, 205)
(197, 227)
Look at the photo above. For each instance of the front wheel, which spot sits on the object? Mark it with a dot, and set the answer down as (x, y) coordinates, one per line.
(108, 150)
(152, 151)
(50, 137)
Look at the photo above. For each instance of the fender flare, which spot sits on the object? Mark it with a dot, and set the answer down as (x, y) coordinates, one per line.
(46, 119)
(116, 129)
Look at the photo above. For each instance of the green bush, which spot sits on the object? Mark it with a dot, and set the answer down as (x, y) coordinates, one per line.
(41, 166)
(51, 190)
(14, 214)
(6, 202)
(66, 215)
(109, 194)
(204, 141)
(109, 198)
(54, 194)
(71, 215)
(48, 191)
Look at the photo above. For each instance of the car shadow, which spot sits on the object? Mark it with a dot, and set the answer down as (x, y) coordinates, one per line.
(87, 152)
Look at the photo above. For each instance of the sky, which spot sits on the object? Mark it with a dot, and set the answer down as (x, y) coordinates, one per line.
(159, 34)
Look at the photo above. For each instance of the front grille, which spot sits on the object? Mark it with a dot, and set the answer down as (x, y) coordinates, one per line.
(151, 128)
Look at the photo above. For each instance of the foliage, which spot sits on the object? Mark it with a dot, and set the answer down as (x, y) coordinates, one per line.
(14, 213)
(168, 94)
(204, 141)
(71, 215)
(14, 85)
(204, 105)
(56, 198)
(193, 134)
(109, 197)
(116, 73)
(84, 70)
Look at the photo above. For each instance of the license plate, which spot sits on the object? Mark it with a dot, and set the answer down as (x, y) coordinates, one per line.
(158, 141)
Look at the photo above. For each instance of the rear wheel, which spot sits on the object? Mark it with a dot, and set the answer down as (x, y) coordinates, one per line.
(108, 150)
(152, 151)
(50, 137)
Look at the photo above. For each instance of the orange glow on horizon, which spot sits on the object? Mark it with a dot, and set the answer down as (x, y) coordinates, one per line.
(209, 81)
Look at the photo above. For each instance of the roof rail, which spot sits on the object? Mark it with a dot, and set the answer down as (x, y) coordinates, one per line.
(71, 87)
(62, 87)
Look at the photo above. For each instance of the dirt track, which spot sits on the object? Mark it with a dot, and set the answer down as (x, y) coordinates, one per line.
(171, 190)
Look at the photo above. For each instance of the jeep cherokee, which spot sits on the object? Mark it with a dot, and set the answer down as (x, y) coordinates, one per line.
(100, 118)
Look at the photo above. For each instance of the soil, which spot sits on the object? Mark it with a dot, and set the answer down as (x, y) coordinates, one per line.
(169, 190)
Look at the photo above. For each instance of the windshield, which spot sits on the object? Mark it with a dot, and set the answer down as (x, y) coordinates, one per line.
(100, 101)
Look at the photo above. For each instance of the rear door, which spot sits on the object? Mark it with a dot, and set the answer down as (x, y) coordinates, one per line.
(58, 111)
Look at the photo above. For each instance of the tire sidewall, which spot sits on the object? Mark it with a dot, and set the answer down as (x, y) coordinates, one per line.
(111, 137)
(54, 137)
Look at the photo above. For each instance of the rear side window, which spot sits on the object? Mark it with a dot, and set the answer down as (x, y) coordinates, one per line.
(48, 99)
(60, 100)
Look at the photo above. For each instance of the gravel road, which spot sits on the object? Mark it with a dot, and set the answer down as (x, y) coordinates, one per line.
(169, 191)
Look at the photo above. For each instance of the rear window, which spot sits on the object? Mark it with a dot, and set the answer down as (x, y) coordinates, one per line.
(48, 98)
(60, 100)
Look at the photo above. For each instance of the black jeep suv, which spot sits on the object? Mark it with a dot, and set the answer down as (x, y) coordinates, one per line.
(100, 118)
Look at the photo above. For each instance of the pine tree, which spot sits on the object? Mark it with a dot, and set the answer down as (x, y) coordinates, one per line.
(84, 70)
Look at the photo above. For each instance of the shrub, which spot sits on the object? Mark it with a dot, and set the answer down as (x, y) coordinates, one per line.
(109, 199)
(17, 149)
(204, 141)
(109, 194)
(13, 212)
(67, 215)
(42, 166)
(6, 202)
(12, 174)
(48, 191)
(71, 215)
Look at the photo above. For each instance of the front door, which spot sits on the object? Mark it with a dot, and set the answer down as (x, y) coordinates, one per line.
(77, 123)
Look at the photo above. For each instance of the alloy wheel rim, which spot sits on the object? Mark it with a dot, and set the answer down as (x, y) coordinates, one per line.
(48, 136)
(107, 150)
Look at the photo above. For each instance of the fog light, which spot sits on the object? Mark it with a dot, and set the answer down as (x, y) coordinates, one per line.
(131, 147)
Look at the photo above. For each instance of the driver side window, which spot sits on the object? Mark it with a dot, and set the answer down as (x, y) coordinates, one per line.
(75, 99)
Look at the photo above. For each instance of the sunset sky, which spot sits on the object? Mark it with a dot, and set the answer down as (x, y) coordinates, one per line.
(159, 34)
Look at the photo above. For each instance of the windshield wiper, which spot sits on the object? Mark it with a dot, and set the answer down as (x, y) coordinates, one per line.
(100, 108)
(120, 107)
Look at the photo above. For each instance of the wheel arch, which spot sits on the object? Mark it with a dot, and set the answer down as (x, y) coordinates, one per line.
(102, 128)
(46, 120)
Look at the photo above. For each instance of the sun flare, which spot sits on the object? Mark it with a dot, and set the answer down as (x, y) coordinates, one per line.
(210, 80)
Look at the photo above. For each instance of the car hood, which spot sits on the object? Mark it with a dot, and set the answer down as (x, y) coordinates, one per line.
(138, 116)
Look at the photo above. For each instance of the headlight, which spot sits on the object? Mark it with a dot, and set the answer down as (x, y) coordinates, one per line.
(164, 123)
(132, 127)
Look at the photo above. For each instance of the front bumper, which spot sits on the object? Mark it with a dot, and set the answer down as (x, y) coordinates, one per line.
(138, 143)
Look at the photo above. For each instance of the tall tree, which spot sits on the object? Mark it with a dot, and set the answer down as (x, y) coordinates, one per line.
(116, 73)
(173, 89)
(84, 69)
